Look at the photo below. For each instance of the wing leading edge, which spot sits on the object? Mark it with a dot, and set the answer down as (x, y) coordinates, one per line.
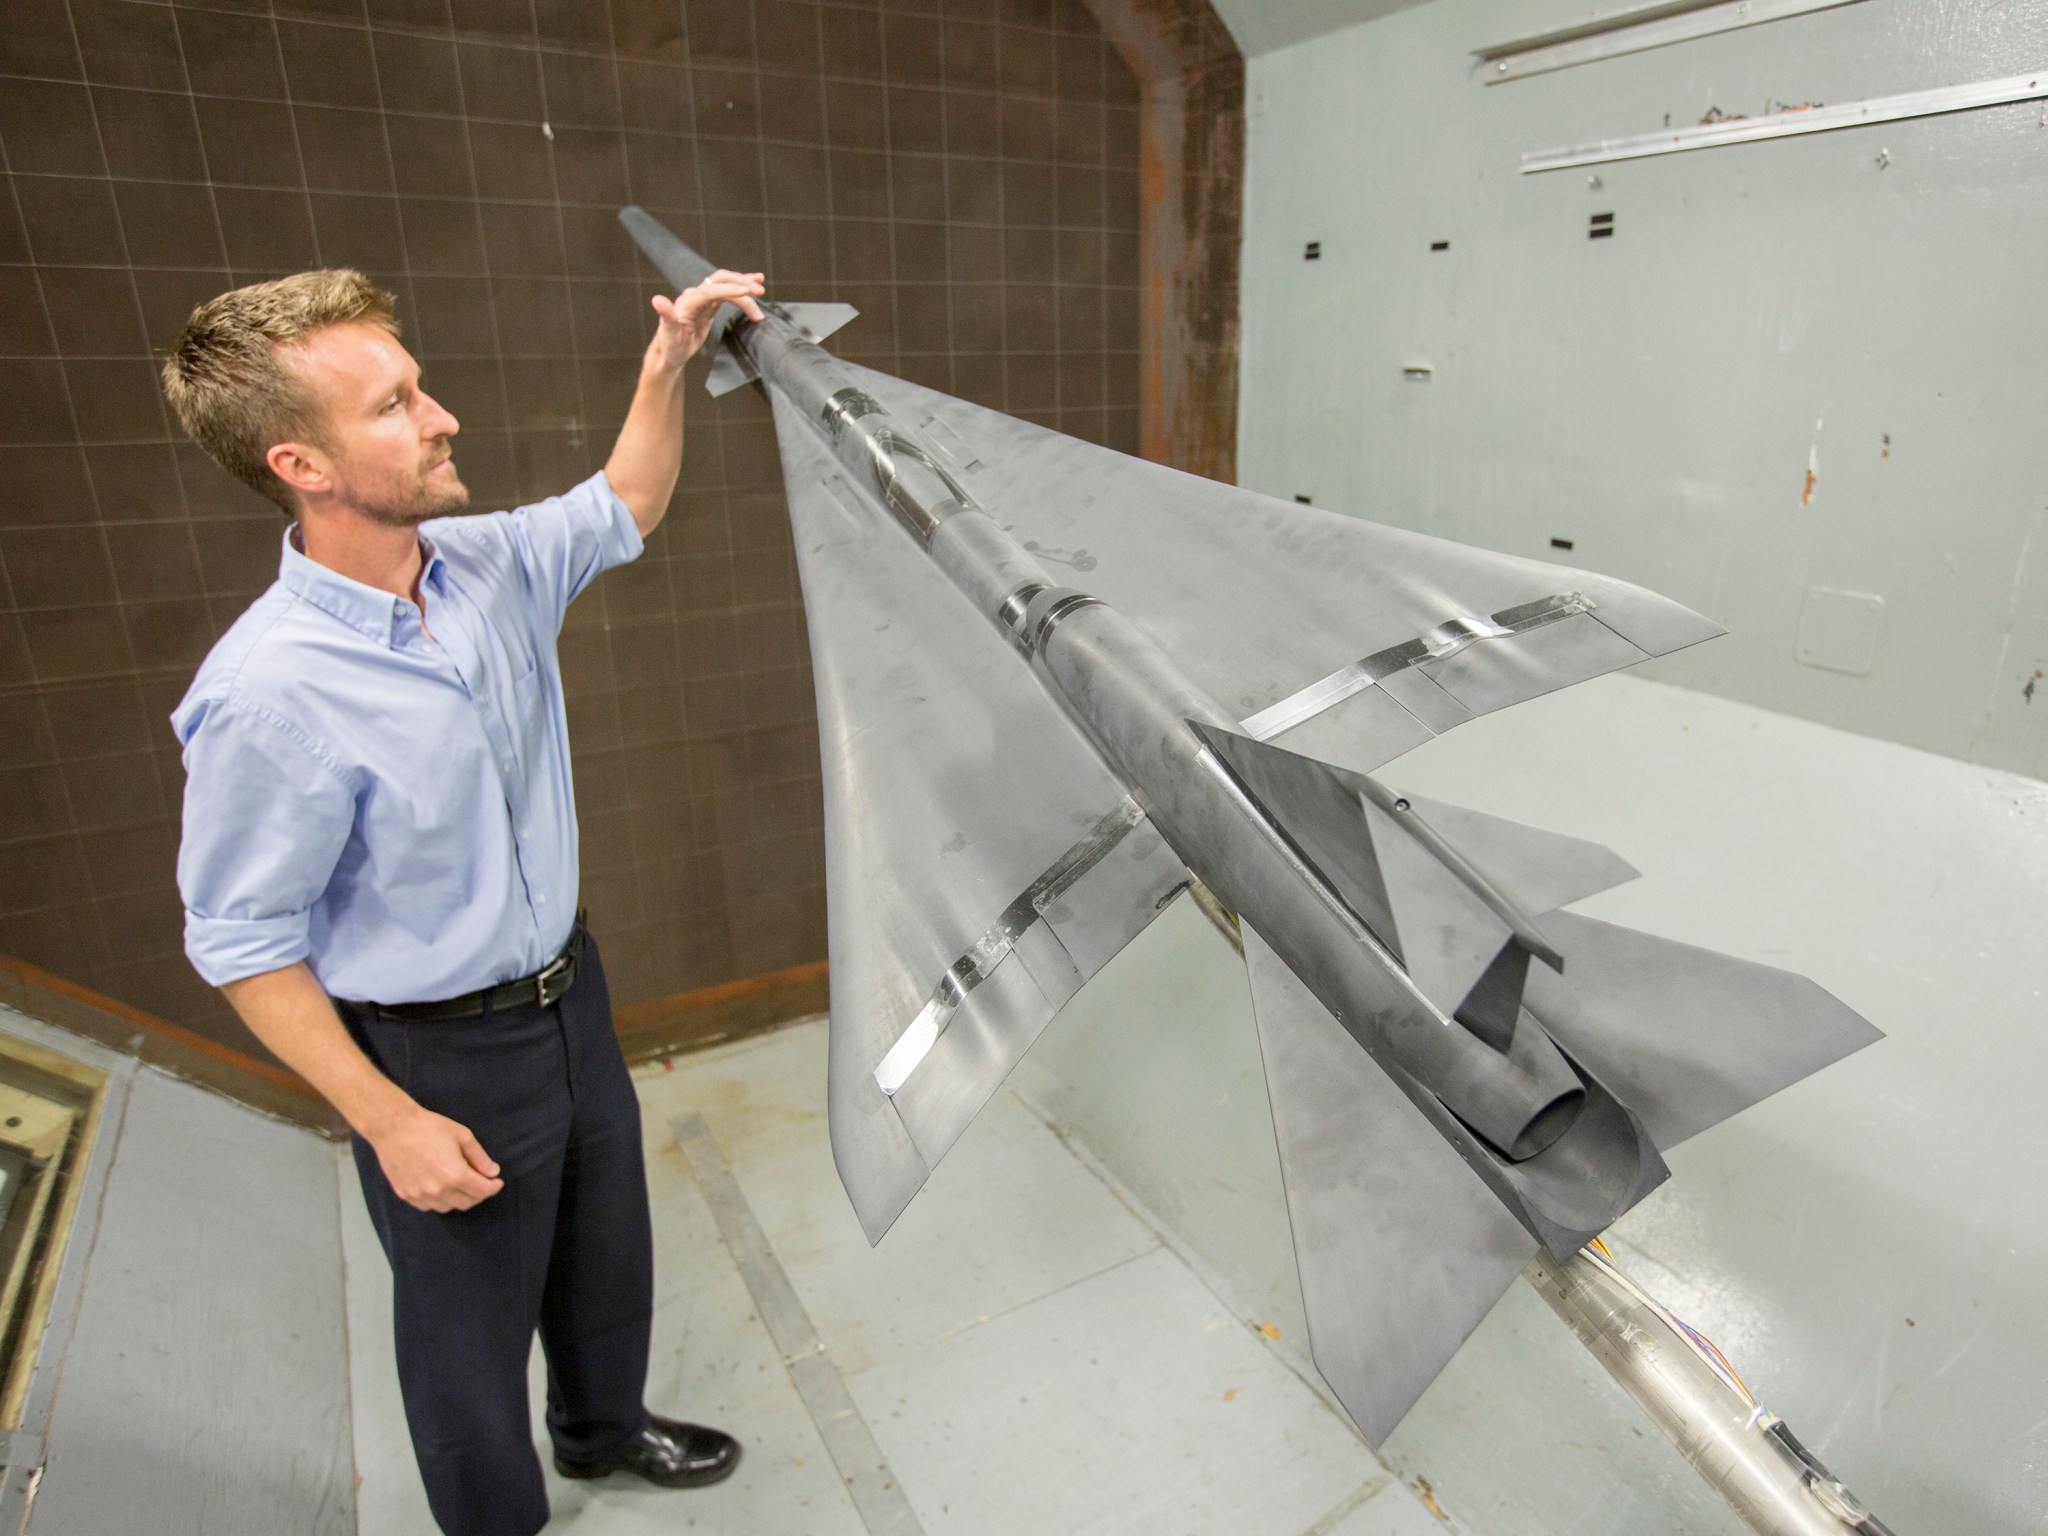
(981, 862)
(1352, 640)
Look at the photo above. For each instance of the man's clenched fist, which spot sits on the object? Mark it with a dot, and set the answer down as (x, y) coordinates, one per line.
(435, 1164)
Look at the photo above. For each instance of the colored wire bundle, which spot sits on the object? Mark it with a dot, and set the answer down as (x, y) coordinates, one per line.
(1597, 1252)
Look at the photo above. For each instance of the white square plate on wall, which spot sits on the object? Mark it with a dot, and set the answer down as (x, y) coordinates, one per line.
(1838, 630)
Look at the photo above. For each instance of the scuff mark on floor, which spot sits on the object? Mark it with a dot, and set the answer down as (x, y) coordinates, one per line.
(2027, 693)
(1428, 1496)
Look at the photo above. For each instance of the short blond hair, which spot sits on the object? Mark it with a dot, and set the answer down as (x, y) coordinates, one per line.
(232, 391)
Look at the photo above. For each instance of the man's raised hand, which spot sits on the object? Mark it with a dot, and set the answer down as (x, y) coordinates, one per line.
(686, 319)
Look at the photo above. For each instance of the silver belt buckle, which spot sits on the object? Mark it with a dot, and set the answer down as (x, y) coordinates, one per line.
(553, 980)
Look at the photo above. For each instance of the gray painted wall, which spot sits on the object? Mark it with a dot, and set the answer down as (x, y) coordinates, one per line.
(1657, 397)
(1260, 26)
(202, 1389)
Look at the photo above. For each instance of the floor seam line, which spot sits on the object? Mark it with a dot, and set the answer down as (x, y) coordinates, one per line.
(878, 1497)
(1352, 1502)
(1064, 1286)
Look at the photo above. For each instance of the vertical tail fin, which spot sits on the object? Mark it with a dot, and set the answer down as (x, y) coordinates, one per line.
(1401, 1249)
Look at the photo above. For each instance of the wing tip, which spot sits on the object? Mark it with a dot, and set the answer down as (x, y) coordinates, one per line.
(880, 1188)
(877, 1207)
(1706, 629)
(1658, 625)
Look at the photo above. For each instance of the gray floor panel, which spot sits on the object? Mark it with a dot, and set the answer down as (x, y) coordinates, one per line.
(1131, 1401)
(1390, 1511)
(711, 1360)
(978, 1241)
(1029, 1355)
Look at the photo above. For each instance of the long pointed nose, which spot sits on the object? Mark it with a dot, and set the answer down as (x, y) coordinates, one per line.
(436, 420)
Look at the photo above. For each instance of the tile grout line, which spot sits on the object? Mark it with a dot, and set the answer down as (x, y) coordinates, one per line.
(124, 611)
(877, 1495)
(343, 1164)
(1349, 1505)
(1060, 1289)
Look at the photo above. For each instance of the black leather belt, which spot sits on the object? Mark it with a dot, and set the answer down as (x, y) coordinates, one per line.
(545, 987)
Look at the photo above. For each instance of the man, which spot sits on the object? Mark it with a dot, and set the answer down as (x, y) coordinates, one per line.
(379, 871)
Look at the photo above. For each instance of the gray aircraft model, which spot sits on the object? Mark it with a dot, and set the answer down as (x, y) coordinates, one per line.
(1055, 682)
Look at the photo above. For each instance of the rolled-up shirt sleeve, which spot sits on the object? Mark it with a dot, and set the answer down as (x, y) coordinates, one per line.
(567, 541)
(267, 815)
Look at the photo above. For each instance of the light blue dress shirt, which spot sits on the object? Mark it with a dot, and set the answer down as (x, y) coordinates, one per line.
(386, 800)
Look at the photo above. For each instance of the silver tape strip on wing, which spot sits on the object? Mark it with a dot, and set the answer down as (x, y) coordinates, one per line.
(988, 951)
(1454, 634)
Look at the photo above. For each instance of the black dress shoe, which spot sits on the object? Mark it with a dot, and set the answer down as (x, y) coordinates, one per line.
(666, 1452)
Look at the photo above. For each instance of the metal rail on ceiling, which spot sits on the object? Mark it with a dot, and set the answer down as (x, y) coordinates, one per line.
(1654, 26)
(1793, 121)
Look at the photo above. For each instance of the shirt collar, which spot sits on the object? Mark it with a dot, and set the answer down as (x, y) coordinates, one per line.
(370, 609)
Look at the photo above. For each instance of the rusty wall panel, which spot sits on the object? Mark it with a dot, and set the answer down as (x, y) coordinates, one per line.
(1191, 195)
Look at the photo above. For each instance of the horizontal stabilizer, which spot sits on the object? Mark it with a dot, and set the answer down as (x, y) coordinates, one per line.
(981, 863)
(818, 321)
(1401, 1249)
(1683, 1036)
(685, 268)
(729, 369)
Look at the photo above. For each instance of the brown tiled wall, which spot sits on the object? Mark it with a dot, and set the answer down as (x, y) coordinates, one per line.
(963, 172)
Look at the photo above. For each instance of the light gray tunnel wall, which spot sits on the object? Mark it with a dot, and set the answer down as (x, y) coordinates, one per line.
(1261, 26)
(201, 1381)
(1657, 397)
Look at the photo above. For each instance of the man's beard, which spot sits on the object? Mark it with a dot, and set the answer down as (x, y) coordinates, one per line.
(422, 500)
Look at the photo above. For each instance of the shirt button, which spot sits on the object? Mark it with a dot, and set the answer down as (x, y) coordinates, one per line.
(508, 765)
(526, 835)
(540, 901)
